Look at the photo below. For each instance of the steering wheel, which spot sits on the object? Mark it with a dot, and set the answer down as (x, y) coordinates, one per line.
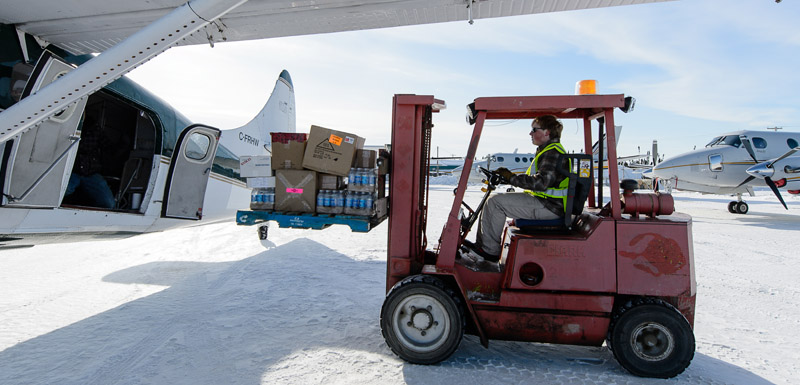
(492, 177)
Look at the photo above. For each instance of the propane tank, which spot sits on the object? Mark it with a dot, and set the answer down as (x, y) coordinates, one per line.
(650, 203)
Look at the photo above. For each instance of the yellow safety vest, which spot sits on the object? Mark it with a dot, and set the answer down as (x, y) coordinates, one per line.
(559, 192)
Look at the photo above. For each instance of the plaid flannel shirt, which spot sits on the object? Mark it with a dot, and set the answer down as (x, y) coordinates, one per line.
(545, 177)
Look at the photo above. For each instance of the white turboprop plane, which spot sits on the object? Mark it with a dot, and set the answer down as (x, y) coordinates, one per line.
(735, 162)
(162, 170)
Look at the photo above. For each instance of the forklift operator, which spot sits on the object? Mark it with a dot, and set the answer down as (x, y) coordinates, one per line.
(545, 189)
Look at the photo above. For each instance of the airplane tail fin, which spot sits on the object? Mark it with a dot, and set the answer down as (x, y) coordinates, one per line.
(277, 115)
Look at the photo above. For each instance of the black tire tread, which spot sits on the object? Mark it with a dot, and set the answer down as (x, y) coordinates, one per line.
(425, 280)
(634, 303)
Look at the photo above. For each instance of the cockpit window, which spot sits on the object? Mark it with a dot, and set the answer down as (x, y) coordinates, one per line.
(500, 159)
(791, 142)
(729, 140)
(759, 143)
(713, 141)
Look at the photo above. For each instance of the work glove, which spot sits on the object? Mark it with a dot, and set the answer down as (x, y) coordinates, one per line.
(504, 173)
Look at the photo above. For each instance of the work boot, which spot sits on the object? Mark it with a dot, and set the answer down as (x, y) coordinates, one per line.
(480, 252)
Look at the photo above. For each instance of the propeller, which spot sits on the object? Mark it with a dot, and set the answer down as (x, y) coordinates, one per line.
(749, 147)
(766, 170)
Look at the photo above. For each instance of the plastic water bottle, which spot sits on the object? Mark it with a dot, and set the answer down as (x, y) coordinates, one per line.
(368, 203)
(351, 177)
(321, 198)
(373, 176)
(269, 197)
(254, 199)
(340, 199)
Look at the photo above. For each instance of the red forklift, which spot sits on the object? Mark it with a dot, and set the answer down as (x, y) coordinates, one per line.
(619, 270)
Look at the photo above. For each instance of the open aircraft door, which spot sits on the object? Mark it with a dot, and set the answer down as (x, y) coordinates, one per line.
(35, 165)
(189, 171)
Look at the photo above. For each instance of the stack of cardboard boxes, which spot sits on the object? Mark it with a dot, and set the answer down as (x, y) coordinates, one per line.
(326, 171)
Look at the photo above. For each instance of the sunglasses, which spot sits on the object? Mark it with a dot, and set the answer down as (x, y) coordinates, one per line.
(533, 129)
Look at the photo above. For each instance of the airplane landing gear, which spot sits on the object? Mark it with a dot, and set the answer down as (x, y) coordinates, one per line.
(738, 207)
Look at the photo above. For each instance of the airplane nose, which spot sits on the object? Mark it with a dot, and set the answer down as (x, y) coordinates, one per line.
(761, 171)
(664, 170)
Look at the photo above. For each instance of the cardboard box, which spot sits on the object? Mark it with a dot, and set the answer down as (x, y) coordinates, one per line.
(331, 151)
(286, 137)
(255, 166)
(295, 190)
(366, 159)
(287, 150)
(329, 182)
(261, 182)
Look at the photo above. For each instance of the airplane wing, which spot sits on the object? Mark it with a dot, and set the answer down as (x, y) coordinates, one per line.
(92, 26)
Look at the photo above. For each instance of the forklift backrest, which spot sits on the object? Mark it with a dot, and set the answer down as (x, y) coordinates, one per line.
(578, 167)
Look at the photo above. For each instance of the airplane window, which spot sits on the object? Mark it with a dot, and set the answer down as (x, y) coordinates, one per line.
(792, 143)
(715, 162)
(525, 160)
(713, 141)
(500, 159)
(759, 143)
(197, 147)
(731, 140)
(516, 159)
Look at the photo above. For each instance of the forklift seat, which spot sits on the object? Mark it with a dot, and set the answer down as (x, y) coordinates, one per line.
(579, 171)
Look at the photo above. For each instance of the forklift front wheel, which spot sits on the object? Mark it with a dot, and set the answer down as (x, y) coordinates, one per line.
(422, 320)
(653, 340)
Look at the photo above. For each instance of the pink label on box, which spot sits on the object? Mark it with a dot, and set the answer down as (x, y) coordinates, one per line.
(294, 190)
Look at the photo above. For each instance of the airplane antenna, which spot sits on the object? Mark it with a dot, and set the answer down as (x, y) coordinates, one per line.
(469, 11)
(776, 128)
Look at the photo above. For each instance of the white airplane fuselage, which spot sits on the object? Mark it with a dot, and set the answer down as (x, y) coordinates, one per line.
(721, 167)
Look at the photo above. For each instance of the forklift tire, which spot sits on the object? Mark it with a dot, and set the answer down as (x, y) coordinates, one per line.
(422, 320)
(652, 339)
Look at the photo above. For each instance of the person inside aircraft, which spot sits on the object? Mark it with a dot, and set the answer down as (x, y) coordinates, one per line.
(87, 184)
(544, 195)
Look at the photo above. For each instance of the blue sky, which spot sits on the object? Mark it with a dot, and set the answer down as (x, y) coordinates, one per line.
(697, 68)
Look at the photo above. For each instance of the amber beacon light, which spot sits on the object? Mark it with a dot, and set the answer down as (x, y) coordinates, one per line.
(586, 87)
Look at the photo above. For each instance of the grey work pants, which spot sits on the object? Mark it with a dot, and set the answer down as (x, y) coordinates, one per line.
(508, 205)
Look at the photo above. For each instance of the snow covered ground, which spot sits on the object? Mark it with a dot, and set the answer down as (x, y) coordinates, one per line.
(211, 305)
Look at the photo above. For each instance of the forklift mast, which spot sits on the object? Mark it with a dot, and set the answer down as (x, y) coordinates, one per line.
(408, 187)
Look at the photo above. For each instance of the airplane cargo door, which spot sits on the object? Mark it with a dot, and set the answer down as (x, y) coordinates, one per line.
(189, 172)
(39, 160)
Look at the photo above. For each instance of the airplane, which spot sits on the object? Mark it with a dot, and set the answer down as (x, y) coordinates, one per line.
(735, 162)
(160, 173)
(162, 170)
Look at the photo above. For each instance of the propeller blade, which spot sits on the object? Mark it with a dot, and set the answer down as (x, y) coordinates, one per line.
(774, 188)
(748, 147)
(787, 154)
(749, 178)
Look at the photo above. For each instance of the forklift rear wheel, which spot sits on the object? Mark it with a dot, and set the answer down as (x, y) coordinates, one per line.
(422, 320)
(653, 340)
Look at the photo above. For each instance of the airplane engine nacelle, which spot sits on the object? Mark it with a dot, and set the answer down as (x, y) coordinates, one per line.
(650, 204)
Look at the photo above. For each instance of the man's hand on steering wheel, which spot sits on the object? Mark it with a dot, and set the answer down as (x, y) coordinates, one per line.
(505, 175)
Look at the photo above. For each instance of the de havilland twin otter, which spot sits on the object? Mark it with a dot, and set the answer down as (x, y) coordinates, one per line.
(57, 103)
(734, 163)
